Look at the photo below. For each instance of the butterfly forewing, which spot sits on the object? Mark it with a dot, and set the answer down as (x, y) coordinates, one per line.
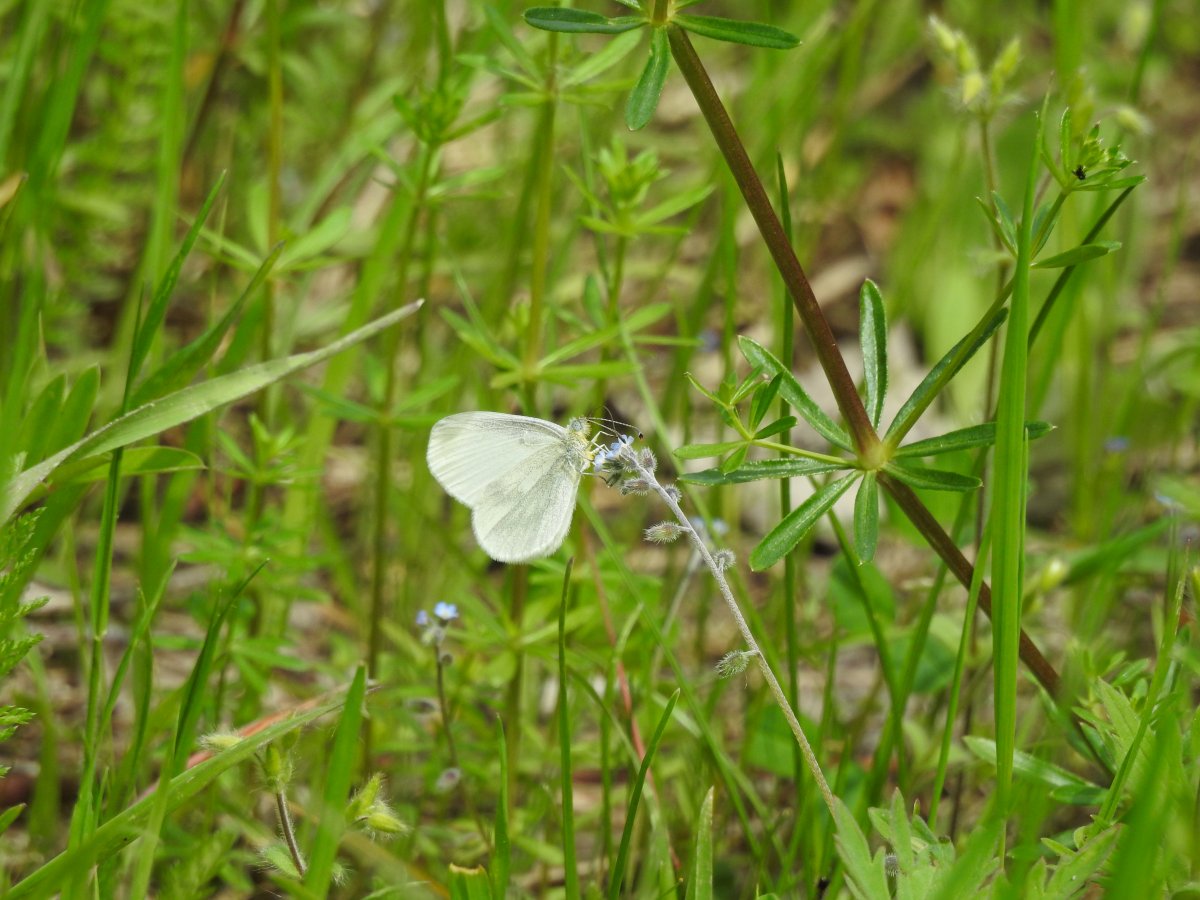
(469, 451)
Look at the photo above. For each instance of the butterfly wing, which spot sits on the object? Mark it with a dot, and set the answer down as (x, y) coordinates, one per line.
(469, 451)
(526, 513)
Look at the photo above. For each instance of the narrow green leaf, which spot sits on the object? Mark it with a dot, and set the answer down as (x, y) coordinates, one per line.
(1077, 255)
(1007, 517)
(791, 391)
(1026, 765)
(9, 816)
(762, 401)
(181, 366)
(700, 451)
(579, 21)
(1115, 184)
(565, 733)
(966, 438)
(941, 374)
(932, 479)
(502, 858)
(125, 826)
(754, 34)
(998, 227)
(778, 426)
(157, 309)
(340, 765)
(470, 884)
(735, 459)
(643, 99)
(136, 461)
(182, 741)
(787, 534)
(185, 405)
(596, 64)
(866, 518)
(700, 882)
(702, 389)
(760, 469)
(76, 411)
(635, 796)
(872, 334)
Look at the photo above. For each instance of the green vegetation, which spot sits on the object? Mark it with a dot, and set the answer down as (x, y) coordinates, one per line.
(894, 596)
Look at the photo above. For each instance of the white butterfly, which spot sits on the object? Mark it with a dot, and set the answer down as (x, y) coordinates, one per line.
(518, 475)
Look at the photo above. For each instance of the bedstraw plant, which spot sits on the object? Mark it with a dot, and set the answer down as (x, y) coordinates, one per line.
(891, 302)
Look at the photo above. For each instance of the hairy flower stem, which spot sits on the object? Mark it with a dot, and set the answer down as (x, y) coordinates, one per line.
(289, 832)
(635, 465)
(849, 403)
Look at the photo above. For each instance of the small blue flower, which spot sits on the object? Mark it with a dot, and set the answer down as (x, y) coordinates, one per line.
(446, 612)
(422, 618)
(1117, 444)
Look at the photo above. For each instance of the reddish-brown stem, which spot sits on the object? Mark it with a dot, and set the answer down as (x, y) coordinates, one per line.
(828, 354)
(776, 240)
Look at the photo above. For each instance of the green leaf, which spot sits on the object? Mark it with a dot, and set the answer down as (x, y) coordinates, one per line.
(181, 366)
(864, 872)
(702, 389)
(774, 428)
(598, 63)
(787, 534)
(501, 860)
(157, 309)
(635, 796)
(478, 339)
(735, 459)
(966, 438)
(672, 207)
(932, 479)
(700, 884)
(643, 99)
(702, 451)
(125, 826)
(339, 767)
(470, 884)
(760, 469)
(185, 405)
(754, 34)
(941, 374)
(791, 391)
(761, 404)
(872, 332)
(1000, 227)
(579, 21)
(1041, 771)
(136, 461)
(1077, 255)
(866, 518)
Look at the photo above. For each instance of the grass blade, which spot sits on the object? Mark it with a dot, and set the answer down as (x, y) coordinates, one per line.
(1008, 511)
(570, 866)
(185, 405)
(700, 882)
(331, 821)
(635, 796)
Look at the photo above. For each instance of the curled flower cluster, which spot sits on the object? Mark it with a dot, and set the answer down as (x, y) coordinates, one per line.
(605, 455)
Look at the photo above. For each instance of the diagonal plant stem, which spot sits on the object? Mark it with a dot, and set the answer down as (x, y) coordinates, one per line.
(646, 473)
(776, 240)
(829, 355)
